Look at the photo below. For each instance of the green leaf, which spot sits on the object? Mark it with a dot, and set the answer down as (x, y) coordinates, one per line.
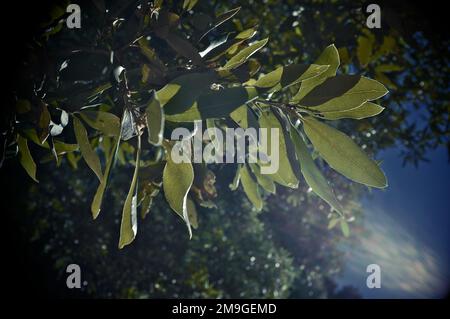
(228, 46)
(343, 92)
(151, 55)
(244, 54)
(63, 148)
(128, 225)
(145, 206)
(177, 181)
(285, 175)
(216, 104)
(333, 222)
(181, 93)
(221, 19)
(90, 156)
(263, 180)
(107, 123)
(330, 57)
(244, 117)
(23, 106)
(388, 68)
(25, 158)
(342, 154)
(344, 228)
(286, 76)
(364, 50)
(98, 197)
(312, 174)
(237, 177)
(44, 123)
(363, 111)
(155, 121)
(192, 213)
(145, 72)
(189, 4)
(250, 188)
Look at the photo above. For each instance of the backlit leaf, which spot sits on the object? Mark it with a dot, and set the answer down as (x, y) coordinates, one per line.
(363, 111)
(25, 158)
(343, 92)
(244, 54)
(344, 228)
(107, 123)
(330, 57)
(181, 93)
(286, 76)
(89, 155)
(263, 180)
(250, 188)
(364, 50)
(342, 154)
(155, 121)
(128, 225)
(312, 174)
(177, 180)
(285, 175)
(216, 104)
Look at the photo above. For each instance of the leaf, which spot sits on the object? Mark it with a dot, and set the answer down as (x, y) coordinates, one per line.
(64, 118)
(128, 225)
(177, 180)
(98, 197)
(90, 156)
(107, 123)
(312, 174)
(285, 175)
(250, 188)
(330, 57)
(221, 19)
(343, 92)
(181, 93)
(229, 46)
(342, 154)
(244, 54)
(44, 123)
(364, 50)
(189, 4)
(363, 111)
(388, 68)
(262, 180)
(286, 76)
(155, 121)
(25, 158)
(151, 55)
(184, 48)
(145, 71)
(23, 106)
(214, 44)
(55, 129)
(192, 213)
(389, 45)
(63, 148)
(237, 177)
(145, 206)
(333, 222)
(244, 117)
(216, 104)
(344, 228)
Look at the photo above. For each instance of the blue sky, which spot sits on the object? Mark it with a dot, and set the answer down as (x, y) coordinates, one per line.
(408, 231)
